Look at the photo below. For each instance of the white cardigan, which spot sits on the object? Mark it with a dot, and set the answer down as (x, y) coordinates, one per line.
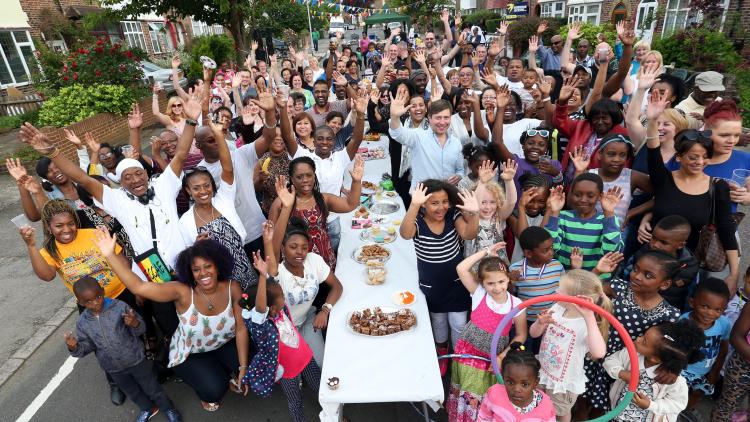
(669, 399)
(223, 201)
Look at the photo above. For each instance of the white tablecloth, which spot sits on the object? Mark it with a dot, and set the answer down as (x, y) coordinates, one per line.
(395, 368)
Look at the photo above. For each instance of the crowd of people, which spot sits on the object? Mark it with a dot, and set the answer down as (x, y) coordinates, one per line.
(587, 171)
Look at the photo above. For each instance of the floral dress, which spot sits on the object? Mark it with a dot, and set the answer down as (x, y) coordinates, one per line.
(636, 321)
(320, 242)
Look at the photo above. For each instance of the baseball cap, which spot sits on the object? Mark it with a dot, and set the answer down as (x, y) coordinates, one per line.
(710, 81)
(582, 67)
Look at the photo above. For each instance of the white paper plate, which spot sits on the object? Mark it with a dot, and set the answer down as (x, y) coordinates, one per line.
(386, 309)
(385, 207)
(366, 236)
(396, 296)
(358, 250)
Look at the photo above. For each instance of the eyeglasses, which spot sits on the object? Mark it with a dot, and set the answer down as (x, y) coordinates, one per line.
(534, 132)
(693, 135)
(92, 301)
(176, 105)
(105, 155)
(556, 42)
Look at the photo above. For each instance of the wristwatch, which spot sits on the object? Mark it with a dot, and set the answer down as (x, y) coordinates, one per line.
(328, 307)
(191, 122)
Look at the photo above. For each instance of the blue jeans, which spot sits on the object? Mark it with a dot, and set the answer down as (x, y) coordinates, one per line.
(334, 233)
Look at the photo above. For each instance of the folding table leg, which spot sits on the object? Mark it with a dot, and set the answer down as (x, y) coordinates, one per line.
(426, 412)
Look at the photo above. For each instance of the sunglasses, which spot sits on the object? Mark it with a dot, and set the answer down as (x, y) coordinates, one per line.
(534, 132)
(556, 42)
(105, 155)
(195, 169)
(176, 105)
(693, 135)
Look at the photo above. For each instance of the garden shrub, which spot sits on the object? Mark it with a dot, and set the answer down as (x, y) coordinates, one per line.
(698, 49)
(218, 47)
(77, 102)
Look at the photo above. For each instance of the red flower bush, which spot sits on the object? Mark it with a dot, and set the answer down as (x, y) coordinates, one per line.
(101, 63)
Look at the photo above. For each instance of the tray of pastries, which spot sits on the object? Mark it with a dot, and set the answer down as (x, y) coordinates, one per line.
(378, 322)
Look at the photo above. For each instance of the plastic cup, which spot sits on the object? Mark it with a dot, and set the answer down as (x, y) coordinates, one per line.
(740, 177)
(21, 221)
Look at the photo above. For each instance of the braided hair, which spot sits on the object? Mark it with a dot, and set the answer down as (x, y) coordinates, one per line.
(681, 344)
(531, 180)
(52, 208)
(518, 354)
(319, 199)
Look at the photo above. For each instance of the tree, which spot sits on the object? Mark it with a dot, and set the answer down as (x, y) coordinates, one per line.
(229, 13)
(421, 10)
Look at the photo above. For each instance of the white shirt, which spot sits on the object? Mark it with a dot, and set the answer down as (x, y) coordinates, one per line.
(562, 352)
(223, 201)
(245, 201)
(458, 129)
(329, 171)
(498, 308)
(299, 292)
(134, 217)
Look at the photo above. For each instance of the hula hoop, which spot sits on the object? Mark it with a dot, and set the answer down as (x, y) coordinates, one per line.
(632, 386)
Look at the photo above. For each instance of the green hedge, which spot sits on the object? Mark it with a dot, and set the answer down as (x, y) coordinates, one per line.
(698, 49)
(589, 32)
(218, 47)
(77, 102)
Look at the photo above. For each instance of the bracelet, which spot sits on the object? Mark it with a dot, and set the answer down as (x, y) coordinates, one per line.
(241, 367)
(265, 125)
(546, 99)
(191, 122)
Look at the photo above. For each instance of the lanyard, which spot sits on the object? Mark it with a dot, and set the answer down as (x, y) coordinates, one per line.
(524, 270)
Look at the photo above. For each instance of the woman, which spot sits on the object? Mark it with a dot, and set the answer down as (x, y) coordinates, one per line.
(641, 48)
(249, 126)
(297, 86)
(213, 214)
(315, 67)
(303, 125)
(308, 79)
(174, 117)
(303, 276)
(312, 206)
(650, 80)
(209, 350)
(286, 76)
(271, 165)
(462, 121)
(689, 191)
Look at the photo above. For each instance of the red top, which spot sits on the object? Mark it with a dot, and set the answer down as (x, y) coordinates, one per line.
(578, 132)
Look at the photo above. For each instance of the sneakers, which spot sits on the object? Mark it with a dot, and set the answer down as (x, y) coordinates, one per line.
(116, 395)
(173, 415)
(145, 415)
(442, 363)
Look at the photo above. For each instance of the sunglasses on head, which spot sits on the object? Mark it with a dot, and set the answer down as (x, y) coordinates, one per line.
(196, 168)
(693, 135)
(534, 132)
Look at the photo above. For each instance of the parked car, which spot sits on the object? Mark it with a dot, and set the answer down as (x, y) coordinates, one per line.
(336, 26)
(280, 46)
(154, 73)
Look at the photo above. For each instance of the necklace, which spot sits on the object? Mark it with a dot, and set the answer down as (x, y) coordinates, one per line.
(203, 219)
(210, 304)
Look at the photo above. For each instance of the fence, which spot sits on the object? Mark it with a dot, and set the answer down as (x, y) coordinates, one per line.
(15, 106)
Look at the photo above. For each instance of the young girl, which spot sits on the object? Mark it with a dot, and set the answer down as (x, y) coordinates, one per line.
(494, 208)
(736, 373)
(283, 354)
(490, 302)
(670, 346)
(438, 219)
(518, 400)
(638, 304)
(584, 227)
(570, 331)
(475, 156)
(530, 212)
(615, 151)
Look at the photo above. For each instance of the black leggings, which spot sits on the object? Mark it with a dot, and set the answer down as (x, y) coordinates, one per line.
(208, 373)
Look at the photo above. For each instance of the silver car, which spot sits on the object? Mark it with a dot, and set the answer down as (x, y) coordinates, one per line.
(154, 73)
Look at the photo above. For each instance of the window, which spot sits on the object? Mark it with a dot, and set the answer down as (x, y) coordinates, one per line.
(133, 34)
(200, 28)
(156, 31)
(676, 16)
(553, 9)
(16, 57)
(584, 12)
(619, 13)
(218, 29)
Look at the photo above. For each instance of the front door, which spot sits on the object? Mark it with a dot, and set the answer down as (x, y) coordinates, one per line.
(645, 20)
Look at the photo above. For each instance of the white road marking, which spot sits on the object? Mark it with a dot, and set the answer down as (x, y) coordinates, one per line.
(44, 395)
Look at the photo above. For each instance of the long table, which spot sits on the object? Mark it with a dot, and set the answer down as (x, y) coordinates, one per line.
(397, 368)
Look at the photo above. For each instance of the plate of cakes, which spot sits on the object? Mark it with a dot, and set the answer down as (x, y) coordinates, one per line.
(382, 321)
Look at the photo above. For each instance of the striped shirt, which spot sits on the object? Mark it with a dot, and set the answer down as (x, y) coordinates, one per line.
(438, 248)
(594, 236)
(533, 284)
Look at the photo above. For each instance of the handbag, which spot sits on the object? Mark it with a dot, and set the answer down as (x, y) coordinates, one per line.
(150, 262)
(710, 253)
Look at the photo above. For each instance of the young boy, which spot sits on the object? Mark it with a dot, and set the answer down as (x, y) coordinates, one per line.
(111, 329)
(708, 302)
(537, 274)
(669, 236)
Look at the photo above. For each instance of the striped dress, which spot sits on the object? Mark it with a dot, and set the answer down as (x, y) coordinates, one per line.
(537, 282)
(595, 237)
(438, 254)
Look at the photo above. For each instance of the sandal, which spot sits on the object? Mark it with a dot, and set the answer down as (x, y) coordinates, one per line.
(236, 388)
(210, 407)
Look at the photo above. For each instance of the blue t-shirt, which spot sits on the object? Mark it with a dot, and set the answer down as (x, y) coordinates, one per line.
(738, 160)
(714, 336)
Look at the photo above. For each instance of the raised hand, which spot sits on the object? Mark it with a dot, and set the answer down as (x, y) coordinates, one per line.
(610, 199)
(488, 77)
(509, 170)
(566, 90)
(420, 195)
(33, 137)
(135, 117)
(28, 234)
(526, 197)
(176, 62)
(556, 200)
(15, 168)
(445, 16)
(30, 183)
(285, 195)
(281, 99)
(156, 88)
(503, 97)
(533, 44)
(192, 106)
(647, 76)
(471, 203)
(265, 100)
(259, 263)
(419, 56)
(360, 103)
(503, 28)
(496, 247)
(72, 137)
(267, 231)
(105, 241)
(656, 105)
(375, 96)
(358, 170)
(338, 78)
(576, 259)
(494, 49)
(580, 158)
(545, 87)
(398, 105)
(470, 98)
(130, 319)
(236, 80)
(487, 171)
(543, 25)
(574, 31)
(92, 143)
(609, 262)
(627, 35)
(70, 340)
(254, 45)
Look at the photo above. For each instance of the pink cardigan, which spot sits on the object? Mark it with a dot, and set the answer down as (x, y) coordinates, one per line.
(496, 407)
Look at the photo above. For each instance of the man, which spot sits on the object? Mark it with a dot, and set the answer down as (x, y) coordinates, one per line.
(434, 154)
(315, 38)
(419, 79)
(583, 58)
(244, 90)
(550, 56)
(323, 106)
(708, 86)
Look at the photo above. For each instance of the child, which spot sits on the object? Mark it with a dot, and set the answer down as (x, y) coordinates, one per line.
(595, 233)
(669, 236)
(736, 374)
(614, 153)
(538, 273)
(475, 157)
(529, 79)
(569, 333)
(669, 346)
(517, 400)
(708, 303)
(438, 218)
(639, 305)
(494, 208)
(735, 306)
(535, 188)
(112, 330)
(490, 302)
(283, 354)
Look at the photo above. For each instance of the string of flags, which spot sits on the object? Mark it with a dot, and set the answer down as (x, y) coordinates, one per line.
(352, 10)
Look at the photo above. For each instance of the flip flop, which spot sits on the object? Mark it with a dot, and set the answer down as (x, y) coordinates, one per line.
(234, 386)
(210, 407)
